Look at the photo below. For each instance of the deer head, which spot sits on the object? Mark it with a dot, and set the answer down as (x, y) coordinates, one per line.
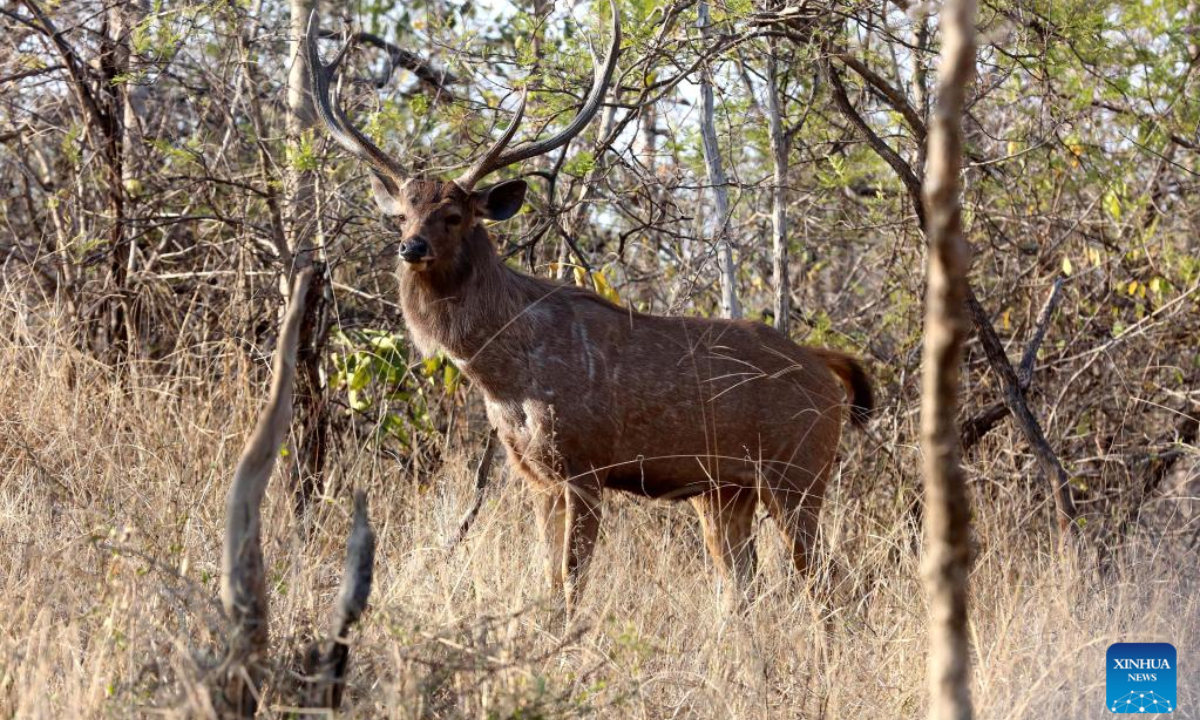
(435, 218)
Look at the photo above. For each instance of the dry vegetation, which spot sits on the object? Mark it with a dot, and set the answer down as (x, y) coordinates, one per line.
(111, 510)
(160, 184)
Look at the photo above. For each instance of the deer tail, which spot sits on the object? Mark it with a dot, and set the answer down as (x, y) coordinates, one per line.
(858, 384)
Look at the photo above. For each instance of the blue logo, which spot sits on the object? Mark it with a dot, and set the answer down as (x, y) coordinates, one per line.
(1141, 678)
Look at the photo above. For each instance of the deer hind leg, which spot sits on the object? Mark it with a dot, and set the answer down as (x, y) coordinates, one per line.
(795, 507)
(583, 510)
(551, 507)
(727, 519)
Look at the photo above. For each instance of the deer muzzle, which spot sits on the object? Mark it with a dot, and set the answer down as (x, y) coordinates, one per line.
(415, 250)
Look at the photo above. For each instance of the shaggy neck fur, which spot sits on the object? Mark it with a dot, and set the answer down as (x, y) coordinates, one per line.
(476, 310)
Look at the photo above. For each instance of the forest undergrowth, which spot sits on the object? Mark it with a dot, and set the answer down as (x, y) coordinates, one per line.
(111, 517)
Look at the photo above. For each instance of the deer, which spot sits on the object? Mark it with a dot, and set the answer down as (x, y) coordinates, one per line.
(588, 396)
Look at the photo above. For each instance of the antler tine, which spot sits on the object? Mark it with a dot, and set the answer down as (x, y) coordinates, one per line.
(333, 116)
(487, 163)
(497, 157)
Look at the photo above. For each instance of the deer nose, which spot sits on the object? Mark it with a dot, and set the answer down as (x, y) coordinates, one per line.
(414, 249)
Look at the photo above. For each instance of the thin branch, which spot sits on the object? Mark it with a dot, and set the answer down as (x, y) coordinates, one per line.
(985, 420)
(399, 57)
(1052, 469)
(482, 472)
(890, 93)
(1025, 373)
(902, 169)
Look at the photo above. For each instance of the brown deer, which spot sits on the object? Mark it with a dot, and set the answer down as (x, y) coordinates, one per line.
(587, 395)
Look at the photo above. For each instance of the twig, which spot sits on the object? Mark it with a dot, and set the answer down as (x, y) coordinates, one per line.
(482, 471)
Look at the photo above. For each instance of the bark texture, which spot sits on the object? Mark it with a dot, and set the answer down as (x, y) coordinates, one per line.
(243, 569)
(730, 307)
(779, 219)
(305, 249)
(947, 509)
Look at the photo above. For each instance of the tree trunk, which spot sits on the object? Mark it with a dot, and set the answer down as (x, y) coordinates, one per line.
(947, 508)
(131, 98)
(779, 220)
(117, 334)
(308, 464)
(716, 178)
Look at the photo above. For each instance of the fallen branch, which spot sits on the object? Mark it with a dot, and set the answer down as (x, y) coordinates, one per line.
(243, 582)
(326, 662)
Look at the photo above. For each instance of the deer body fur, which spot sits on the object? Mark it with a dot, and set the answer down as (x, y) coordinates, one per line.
(587, 396)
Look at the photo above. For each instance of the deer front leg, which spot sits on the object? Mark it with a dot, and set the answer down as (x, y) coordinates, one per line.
(583, 510)
(551, 506)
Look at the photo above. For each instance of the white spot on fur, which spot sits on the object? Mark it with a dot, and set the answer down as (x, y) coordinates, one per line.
(460, 363)
(582, 337)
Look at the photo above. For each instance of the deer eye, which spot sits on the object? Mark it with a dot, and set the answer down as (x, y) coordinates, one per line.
(399, 220)
(453, 219)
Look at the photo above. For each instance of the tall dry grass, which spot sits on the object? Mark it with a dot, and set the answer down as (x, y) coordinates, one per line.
(111, 501)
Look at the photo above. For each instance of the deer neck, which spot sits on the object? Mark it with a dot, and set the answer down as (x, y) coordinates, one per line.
(471, 312)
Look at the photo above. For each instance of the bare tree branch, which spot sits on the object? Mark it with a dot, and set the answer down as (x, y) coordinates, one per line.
(326, 662)
(1052, 469)
(911, 182)
(982, 422)
(399, 57)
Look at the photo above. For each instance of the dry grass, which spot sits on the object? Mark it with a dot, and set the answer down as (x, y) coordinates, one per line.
(111, 503)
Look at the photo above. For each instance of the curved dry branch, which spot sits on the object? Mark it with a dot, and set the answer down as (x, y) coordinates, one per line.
(903, 171)
(436, 79)
(243, 581)
(326, 662)
(499, 155)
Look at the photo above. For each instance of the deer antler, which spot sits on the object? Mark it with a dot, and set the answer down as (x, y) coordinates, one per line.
(334, 117)
(498, 157)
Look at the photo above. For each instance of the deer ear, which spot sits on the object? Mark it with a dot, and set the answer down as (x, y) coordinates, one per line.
(384, 191)
(502, 200)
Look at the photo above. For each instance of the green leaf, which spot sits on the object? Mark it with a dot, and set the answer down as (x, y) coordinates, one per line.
(580, 164)
(1112, 205)
(450, 378)
(360, 377)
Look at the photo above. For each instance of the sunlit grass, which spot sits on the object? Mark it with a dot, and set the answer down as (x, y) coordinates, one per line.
(111, 502)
